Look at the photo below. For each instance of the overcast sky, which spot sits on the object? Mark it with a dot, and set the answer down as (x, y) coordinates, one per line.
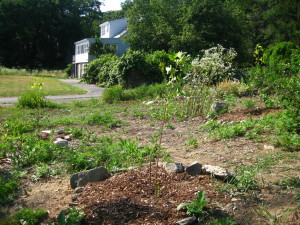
(111, 5)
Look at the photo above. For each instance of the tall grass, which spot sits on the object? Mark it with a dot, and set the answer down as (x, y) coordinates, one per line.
(24, 72)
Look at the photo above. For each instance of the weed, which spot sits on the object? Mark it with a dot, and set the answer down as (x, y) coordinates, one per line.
(42, 171)
(26, 216)
(289, 183)
(7, 188)
(223, 221)
(170, 126)
(247, 103)
(102, 119)
(196, 208)
(77, 132)
(138, 113)
(192, 142)
(69, 217)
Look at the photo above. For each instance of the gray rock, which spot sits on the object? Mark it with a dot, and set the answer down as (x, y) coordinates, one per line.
(217, 172)
(74, 198)
(187, 221)
(218, 107)
(174, 167)
(194, 169)
(79, 189)
(73, 204)
(82, 178)
(60, 131)
(61, 142)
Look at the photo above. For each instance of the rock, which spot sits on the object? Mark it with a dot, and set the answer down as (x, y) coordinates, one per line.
(194, 169)
(73, 204)
(218, 107)
(74, 198)
(174, 167)
(61, 142)
(45, 134)
(269, 147)
(79, 189)
(186, 221)
(82, 178)
(149, 102)
(217, 172)
(60, 131)
(67, 138)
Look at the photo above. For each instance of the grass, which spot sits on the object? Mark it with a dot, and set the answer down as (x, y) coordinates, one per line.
(15, 85)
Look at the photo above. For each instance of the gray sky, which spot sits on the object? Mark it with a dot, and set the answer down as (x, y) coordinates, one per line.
(111, 5)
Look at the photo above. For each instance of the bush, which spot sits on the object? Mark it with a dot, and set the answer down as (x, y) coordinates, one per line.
(103, 70)
(137, 68)
(26, 216)
(283, 53)
(215, 66)
(117, 93)
(69, 70)
(34, 99)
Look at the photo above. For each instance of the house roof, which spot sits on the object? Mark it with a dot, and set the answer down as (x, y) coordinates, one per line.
(86, 40)
(112, 21)
(121, 34)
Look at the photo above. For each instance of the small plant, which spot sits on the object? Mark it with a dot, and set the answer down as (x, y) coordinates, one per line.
(170, 126)
(192, 142)
(249, 104)
(7, 188)
(289, 182)
(196, 208)
(42, 171)
(26, 216)
(70, 217)
(103, 119)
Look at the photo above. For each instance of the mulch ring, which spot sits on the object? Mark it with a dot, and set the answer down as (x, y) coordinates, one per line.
(132, 198)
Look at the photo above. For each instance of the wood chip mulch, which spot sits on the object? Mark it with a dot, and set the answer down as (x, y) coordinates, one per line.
(134, 198)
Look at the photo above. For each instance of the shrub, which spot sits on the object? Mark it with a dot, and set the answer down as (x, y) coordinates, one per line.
(69, 70)
(7, 187)
(103, 70)
(137, 68)
(280, 54)
(26, 216)
(215, 66)
(117, 93)
(34, 99)
(232, 88)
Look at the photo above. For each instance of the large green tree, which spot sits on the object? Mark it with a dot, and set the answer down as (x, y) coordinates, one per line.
(41, 33)
(186, 25)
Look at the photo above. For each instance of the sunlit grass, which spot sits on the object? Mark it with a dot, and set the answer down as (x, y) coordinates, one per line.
(13, 85)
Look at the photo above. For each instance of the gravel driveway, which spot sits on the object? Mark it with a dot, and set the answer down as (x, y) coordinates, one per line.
(93, 92)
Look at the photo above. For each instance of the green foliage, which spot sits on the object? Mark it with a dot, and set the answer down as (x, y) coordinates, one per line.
(117, 93)
(103, 70)
(280, 54)
(40, 34)
(137, 69)
(289, 182)
(113, 154)
(7, 188)
(69, 217)
(69, 70)
(26, 216)
(32, 99)
(249, 104)
(105, 119)
(188, 26)
(196, 208)
(213, 67)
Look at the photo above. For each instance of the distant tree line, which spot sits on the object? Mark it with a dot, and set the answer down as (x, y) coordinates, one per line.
(41, 33)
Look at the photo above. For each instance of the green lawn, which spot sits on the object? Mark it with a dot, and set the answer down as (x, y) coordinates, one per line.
(12, 85)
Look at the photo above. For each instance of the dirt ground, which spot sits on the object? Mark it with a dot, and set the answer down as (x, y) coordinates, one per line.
(130, 198)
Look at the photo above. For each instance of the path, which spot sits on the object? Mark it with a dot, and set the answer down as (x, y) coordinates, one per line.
(93, 92)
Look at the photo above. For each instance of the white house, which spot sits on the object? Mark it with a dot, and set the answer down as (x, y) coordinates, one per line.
(110, 34)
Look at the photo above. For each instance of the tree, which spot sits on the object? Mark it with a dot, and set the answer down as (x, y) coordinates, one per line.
(186, 25)
(41, 33)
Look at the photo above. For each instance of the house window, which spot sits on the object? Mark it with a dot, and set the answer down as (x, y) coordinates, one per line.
(103, 30)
